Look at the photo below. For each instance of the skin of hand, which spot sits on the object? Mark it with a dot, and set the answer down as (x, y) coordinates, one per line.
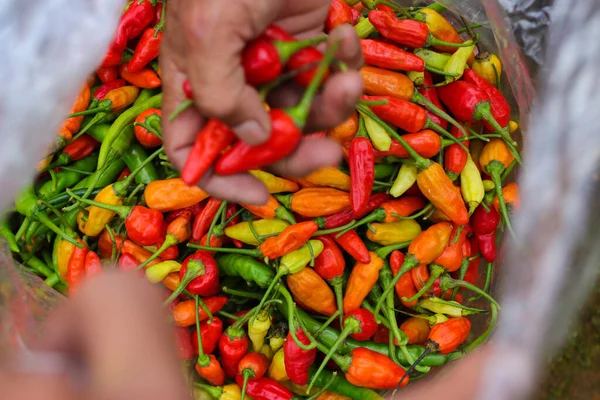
(115, 330)
(204, 40)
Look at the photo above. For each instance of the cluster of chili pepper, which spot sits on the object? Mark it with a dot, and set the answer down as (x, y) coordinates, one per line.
(350, 281)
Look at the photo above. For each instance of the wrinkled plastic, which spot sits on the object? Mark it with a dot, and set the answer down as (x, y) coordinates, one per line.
(542, 278)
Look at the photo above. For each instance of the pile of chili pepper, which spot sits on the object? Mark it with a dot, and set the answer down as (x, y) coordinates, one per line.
(348, 282)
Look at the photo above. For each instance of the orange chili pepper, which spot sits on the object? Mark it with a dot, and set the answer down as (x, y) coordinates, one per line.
(105, 248)
(367, 368)
(172, 281)
(512, 198)
(172, 194)
(145, 79)
(308, 287)
(291, 238)
(72, 125)
(445, 337)
(271, 210)
(345, 132)
(212, 372)
(452, 257)
(184, 313)
(381, 82)
(76, 267)
(440, 28)
(361, 281)
(328, 177)
(417, 330)
(402, 207)
(317, 202)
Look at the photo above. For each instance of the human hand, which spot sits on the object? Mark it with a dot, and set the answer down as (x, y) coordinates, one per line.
(113, 331)
(203, 42)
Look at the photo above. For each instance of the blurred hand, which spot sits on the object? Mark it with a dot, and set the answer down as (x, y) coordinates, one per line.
(114, 330)
(203, 42)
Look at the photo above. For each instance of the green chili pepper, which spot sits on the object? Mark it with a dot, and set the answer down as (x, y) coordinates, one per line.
(42, 269)
(66, 179)
(134, 157)
(246, 268)
(341, 386)
(8, 234)
(144, 95)
(379, 137)
(103, 178)
(99, 132)
(384, 171)
(117, 129)
(433, 59)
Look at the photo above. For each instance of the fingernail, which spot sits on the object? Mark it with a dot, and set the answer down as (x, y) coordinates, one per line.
(252, 132)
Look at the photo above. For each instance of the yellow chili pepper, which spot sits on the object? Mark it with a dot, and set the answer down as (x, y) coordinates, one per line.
(488, 66)
(445, 308)
(438, 319)
(267, 351)
(418, 78)
(329, 177)
(97, 217)
(277, 370)
(513, 126)
(63, 251)
(298, 259)
(258, 328)
(274, 183)
(471, 185)
(407, 176)
(276, 343)
(488, 185)
(158, 272)
(262, 227)
(390, 233)
(44, 163)
(378, 135)
(122, 97)
(458, 62)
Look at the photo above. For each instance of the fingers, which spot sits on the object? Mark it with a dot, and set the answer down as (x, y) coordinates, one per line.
(310, 155)
(216, 33)
(116, 323)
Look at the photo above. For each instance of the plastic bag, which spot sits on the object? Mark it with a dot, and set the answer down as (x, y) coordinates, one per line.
(557, 222)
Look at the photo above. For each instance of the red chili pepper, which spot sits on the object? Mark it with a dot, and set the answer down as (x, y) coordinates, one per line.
(232, 347)
(183, 341)
(388, 56)
(78, 149)
(367, 324)
(339, 13)
(93, 265)
(184, 313)
(151, 117)
(103, 90)
(265, 389)
(128, 262)
(199, 275)
(455, 157)
(210, 332)
(204, 219)
(330, 265)
(406, 32)
(353, 245)
(252, 366)
(76, 267)
(367, 368)
(382, 334)
(146, 50)
(229, 212)
(469, 103)
(484, 225)
(498, 103)
(210, 142)
(107, 75)
(137, 17)
(355, 15)
(426, 143)
(286, 131)
(298, 361)
(430, 93)
(211, 370)
(345, 217)
(401, 113)
(187, 90)
(405, 287)
(126, 172)
(361, 160)
(146, 78)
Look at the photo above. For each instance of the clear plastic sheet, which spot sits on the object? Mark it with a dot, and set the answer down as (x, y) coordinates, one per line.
(50, 47)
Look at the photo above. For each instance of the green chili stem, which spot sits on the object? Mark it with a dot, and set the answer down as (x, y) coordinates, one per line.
(415, 216)
(280, 273)
(241, 293)
(495, 171)
(221, 208)
(410, 262)
(343, 228)
(327, 323)
(324, 388)
(292, 326)
(488, 281)
(228, 315)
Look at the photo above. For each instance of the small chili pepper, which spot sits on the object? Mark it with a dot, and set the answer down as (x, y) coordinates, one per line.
(316, 202)
(172, 194)
(150, 119)
(210, 142)
(406, 32)
(426, 143)
(380, 139)
(61, 255)
(484, 224)
(406, 178)
(494, 159)
(203, 220)
(207, 366)
(498, 104)
(417, 329)
(488, 66)
(106, 246)
(262, 227)
(148, 47)
(311, 290)
(455, 157)
(339, 13)
(107, 74)
(231, 391)
(346, 217)
(330, 265)
(327, 177)
(145, 78)
(297, 360)
(432, 58)
(385, 55)
(271, 210)
(76, 267)
(258, 328)
(430, 93)
(252, 365)
(103, 90)
(390, 233)
(93, 265)
(471, 185)
(423, 249)
(210, 332)
(137, 17)
(353, 245)
(455, 67)
(362, 173)
(277, 370)
(275, 184)
(113, 101)
(199, 275)
(78, 149)
(286, 127)
(246, 267)
(158, 272)
(263, 59)
(345, 132)
(184, 312)
(405, 287)
(265, 389)
(233, 345)
(65, 179)
(70, 126)
(362, 279)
